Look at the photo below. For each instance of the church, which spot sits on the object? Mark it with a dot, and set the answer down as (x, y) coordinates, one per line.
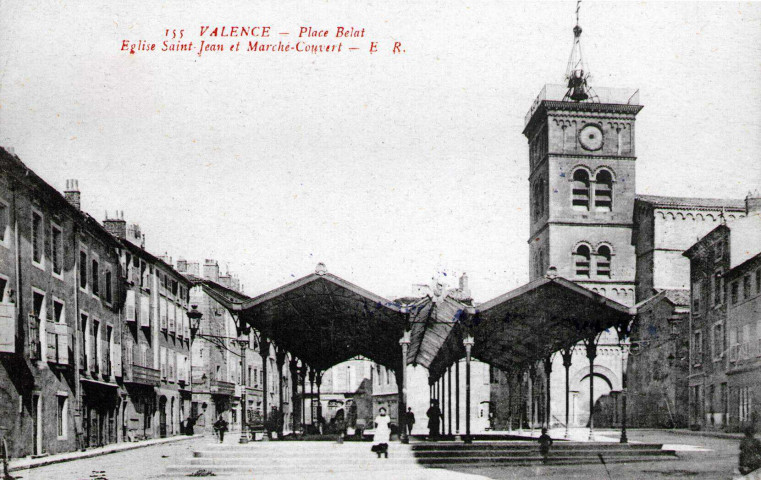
(588, 225)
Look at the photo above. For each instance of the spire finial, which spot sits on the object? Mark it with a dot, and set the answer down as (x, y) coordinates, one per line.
(576, 74)
(578, 9)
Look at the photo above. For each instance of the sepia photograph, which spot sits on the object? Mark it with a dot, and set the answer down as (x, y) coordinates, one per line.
(380, 240)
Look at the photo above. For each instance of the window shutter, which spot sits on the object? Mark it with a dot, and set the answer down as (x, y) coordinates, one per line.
(63, 335)
(129, 306)
(116, 357)
(180, 321)
(162, 312)
(52, 347)
(34, 337)
(91, 352)
(8, 327)
(162, 359)
(171, 310)
(145, 311)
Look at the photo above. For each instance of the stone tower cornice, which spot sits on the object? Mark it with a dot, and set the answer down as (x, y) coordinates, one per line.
(581, 110)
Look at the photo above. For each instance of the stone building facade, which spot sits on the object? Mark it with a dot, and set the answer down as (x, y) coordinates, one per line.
(219, 376)
(582, 160)
(59, 318)
(722, 274)
(744, 343)
(216, 357)
(156, 339)
(588, 223)
(657, 366)
(94, 337)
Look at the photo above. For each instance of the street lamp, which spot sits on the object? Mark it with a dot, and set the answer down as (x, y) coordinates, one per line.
(405, 343)
(194, 315)
(195, 321)
(243, 341)
(468, 342)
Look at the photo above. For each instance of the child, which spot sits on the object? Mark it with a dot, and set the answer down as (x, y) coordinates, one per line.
(382, 433)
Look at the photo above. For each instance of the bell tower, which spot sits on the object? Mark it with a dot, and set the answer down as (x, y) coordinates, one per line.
(582, 178)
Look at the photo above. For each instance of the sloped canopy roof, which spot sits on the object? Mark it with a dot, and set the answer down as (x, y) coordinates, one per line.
(432, 322)
(529, 323)
(325, 320)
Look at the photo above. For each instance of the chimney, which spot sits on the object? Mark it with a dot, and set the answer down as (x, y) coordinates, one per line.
(753, 203)
(194, 269)
(133, 235)
(211, 270)
(464, 287)
(72, 193)
(182, 265)
(116, 226)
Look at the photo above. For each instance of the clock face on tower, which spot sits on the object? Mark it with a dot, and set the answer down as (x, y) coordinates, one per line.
(590, 137)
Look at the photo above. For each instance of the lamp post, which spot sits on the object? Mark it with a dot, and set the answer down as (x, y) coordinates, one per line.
(243, 341)
(468, 342)
(194, 316)
(405, 343)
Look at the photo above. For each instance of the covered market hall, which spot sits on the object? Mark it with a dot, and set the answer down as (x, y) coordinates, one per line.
(322, 320)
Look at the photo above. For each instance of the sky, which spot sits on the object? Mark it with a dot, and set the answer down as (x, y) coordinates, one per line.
(392, 169)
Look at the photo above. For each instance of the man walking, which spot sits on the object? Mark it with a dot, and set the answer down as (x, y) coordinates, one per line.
(220, 426)
(409, 421)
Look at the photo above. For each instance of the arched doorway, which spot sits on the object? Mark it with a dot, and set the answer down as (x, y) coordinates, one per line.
(602, 386)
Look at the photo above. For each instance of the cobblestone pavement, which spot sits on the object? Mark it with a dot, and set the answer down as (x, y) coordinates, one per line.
(142, 463)
(151, 462)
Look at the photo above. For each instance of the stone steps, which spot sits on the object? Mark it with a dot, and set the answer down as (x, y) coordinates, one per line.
(526, 453)
(520, 454)
(304, 458)
(533, 446)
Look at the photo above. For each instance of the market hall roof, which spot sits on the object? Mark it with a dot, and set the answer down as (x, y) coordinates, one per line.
(324, 320)
(527, 324)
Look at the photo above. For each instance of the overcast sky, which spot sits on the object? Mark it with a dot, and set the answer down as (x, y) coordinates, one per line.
(391, 169)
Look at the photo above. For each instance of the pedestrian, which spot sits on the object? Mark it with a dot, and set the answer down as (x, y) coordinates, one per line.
(545, 441)
(382, 433)
(220, 426)
(409, 421)
(750, 452)
(434, 415)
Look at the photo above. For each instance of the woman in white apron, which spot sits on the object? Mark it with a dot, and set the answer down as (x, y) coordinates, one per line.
(382, 433)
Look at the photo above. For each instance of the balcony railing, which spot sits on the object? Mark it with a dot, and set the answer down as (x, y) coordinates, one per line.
(138, 374)
(221, 387)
